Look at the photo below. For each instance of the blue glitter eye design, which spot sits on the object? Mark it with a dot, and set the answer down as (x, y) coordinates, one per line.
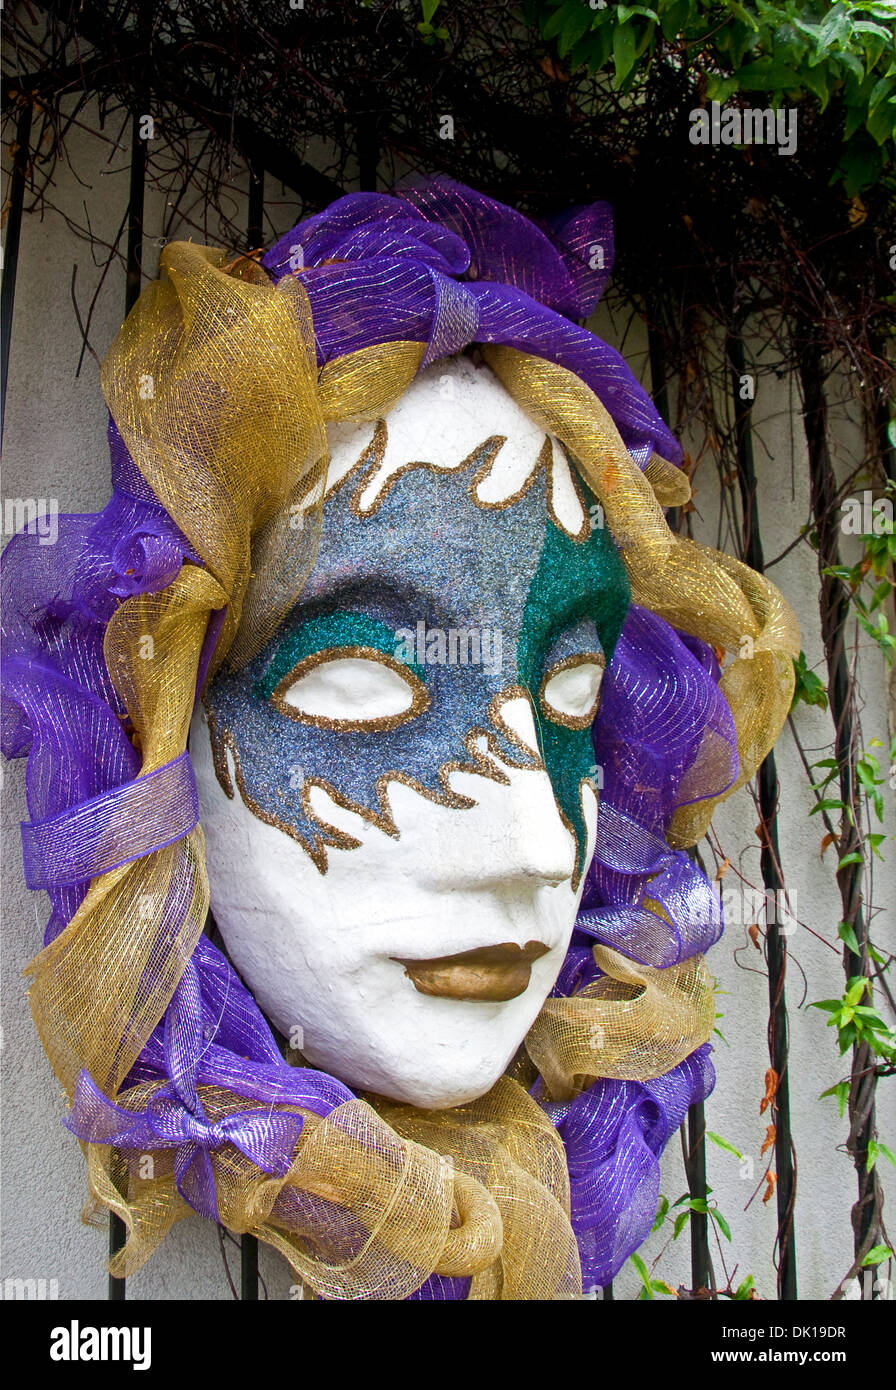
(342, 671)
(389, 594)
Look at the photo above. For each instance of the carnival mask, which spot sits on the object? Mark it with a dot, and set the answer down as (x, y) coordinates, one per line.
(402, 809)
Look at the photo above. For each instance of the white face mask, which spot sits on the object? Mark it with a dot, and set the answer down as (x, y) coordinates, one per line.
(397, 872)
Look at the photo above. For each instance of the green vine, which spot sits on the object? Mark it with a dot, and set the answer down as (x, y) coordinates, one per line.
(795, 51)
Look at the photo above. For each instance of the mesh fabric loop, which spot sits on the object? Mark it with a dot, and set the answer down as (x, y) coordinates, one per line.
(112, 829)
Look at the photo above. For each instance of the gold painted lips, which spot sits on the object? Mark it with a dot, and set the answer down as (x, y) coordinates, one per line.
(492, 973)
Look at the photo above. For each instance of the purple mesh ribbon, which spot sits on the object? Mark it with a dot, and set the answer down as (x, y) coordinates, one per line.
(399, 261)
(445, 266)
(115, 828)
(186, 1049)
(614, 1134)
(664, 737)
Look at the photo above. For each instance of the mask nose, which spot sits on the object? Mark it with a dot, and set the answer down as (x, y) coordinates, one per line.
(540, 845)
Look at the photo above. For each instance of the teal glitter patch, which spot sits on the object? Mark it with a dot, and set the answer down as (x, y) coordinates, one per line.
(573, 581)
(339, 629)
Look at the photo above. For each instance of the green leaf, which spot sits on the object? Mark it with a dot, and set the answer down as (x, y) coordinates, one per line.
(819, 84)
(641, 1267)
(876, 1255)
(719, 88)
(673, 17)
(768, 75)
(578, 23)
(853, 858)
(847, 935)
(681, 1221)
(720, 1221)
(876, 1151)
(743, 1290)
(808, 687)
(593, 50)
(856, 991)
(882, 122)
(429, 8)
(853, 63)
(841, 1094)
(661, 1213)
(880, 89)
(559, 19)
(624, 45)
(723, 1143)
(867, 26)
(743, 15)
(858, 169)
(834, 29)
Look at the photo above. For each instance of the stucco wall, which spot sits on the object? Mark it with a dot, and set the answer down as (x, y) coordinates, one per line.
(55, 447)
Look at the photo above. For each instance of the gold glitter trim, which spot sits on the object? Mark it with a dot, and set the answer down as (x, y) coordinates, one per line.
(363, 472)
(482, 473)
(544, 462)
(533, 760)
(569, 721)
(379, 724)
(367, 462)
(584, 530)
(481, 764)
(493, 443)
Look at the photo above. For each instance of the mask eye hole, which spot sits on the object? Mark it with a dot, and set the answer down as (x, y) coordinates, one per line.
(355, 689)
(570, 690)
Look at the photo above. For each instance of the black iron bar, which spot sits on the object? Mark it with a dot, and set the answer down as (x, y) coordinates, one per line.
(834, 603)
(256, 210)
(770, 858)
(18, 179)
(695, 1169)
(694, 1143)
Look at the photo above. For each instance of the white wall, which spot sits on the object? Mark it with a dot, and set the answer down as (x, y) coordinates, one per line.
(55, 446)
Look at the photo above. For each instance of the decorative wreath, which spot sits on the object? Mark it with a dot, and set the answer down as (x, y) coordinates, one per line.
(220, 387)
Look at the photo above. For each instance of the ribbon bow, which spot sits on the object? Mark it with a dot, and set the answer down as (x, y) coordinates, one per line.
(174, 1117)
(267, 1137)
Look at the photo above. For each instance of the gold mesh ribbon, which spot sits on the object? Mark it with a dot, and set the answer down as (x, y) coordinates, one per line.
(633, 1024)
(505, 1142)
(213, 385)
